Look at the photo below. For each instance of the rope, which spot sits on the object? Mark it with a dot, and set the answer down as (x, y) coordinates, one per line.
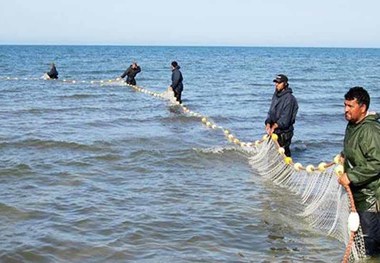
(352, 233)
(101, 82)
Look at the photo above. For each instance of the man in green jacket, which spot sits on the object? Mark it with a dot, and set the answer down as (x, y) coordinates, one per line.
(362, 164)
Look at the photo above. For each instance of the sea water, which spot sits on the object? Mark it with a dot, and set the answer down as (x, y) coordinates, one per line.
(98, 172)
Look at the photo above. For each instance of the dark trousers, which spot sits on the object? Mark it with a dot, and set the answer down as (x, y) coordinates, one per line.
(131, 81)
(284, 140)
(370, 223)
(177, 95)
(52, 76)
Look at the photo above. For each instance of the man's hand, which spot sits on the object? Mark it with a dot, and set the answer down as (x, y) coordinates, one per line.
(268, 129)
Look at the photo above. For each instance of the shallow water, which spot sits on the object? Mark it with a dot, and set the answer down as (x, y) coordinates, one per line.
(101, 173)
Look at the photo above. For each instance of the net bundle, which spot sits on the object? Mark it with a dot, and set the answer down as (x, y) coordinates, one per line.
(326, 204)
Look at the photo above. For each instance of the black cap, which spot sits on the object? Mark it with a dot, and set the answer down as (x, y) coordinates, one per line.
(280, 78)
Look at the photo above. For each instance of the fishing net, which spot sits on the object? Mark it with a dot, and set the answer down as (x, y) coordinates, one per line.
(326, 204)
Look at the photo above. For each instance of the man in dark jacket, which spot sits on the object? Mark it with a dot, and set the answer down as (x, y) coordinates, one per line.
(131, 73)
(361, 154)
(282, 113)
(53, 73)
(177, 79)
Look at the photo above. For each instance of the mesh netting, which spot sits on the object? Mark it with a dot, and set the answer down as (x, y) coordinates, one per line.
(326, 205)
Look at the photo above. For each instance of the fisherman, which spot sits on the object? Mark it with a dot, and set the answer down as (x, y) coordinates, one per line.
(361, 155)
(282, 113)
(177, 85)
(131, 73)
(53, 73)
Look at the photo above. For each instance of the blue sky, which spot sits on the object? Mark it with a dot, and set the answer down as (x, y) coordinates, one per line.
(299, 23)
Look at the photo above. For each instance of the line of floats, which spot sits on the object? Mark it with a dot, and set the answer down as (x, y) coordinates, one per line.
(206, 121)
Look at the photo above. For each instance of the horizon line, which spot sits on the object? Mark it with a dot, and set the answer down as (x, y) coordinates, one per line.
(180, 45)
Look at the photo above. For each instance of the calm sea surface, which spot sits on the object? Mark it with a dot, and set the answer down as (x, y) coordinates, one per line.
(102, 173)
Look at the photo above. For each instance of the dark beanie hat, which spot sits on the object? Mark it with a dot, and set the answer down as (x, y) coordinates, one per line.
(174, 64)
